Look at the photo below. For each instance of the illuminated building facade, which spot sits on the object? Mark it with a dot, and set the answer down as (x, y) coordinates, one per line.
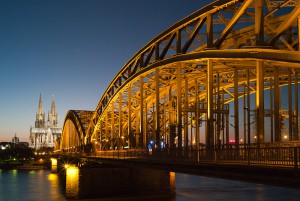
(45, 133)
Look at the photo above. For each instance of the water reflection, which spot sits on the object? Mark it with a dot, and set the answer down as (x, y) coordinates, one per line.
(36, 185)
(203, 188)
(33, 185)
(54, 187)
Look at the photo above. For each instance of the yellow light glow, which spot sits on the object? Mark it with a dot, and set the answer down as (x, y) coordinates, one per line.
(72, 171)
(172, 182)
(72, 181)
(52, 177)
(53, 161)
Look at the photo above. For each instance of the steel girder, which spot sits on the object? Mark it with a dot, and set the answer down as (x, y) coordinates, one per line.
(194, 73)
(141, 101)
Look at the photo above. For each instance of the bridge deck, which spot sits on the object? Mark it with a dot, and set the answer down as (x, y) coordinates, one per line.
(273, 165)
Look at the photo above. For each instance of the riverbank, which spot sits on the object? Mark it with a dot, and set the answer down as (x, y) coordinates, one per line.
(24, 165)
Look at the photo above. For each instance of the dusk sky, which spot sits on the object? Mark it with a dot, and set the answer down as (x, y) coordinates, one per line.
(71, 49)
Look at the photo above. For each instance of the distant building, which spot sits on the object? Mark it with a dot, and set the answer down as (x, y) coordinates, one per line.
(15, 140)
(45, 133)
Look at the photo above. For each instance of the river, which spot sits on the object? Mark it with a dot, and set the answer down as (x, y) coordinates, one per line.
(42, 185)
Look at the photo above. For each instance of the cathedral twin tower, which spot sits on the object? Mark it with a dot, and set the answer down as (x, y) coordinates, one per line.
(45, 133)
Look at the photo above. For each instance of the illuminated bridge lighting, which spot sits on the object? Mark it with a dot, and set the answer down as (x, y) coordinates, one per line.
(188, 84)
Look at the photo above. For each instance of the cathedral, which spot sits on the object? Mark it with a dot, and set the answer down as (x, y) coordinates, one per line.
(45, 133)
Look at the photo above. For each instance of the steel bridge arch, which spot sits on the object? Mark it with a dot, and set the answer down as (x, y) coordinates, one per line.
(207, 56)
(252, 59)
(74, 130)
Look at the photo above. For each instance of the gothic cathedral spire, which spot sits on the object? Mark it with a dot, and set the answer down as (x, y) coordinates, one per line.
(40, 115)
(40, 109)
(53, 106)
(52, 116)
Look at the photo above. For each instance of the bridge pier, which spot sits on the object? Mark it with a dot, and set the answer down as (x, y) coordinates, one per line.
(72, 181)
(114, 181)
(53, 165)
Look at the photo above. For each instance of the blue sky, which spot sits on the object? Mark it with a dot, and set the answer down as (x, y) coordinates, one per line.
(71, 49)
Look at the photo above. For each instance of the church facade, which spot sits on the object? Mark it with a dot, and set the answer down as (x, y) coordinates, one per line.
(45, 133)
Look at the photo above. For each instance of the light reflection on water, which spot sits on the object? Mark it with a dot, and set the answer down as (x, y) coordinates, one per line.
(210, 189)
(36, 185)
(29, 185)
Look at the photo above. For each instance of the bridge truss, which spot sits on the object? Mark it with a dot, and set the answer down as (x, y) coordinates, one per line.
(176, 90)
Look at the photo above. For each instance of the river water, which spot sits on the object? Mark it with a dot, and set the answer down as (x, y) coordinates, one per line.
(41, 185)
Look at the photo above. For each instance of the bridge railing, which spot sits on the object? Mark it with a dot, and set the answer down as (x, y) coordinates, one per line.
(267, 156)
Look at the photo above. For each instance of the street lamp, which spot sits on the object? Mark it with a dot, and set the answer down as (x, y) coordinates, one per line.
(122, 137)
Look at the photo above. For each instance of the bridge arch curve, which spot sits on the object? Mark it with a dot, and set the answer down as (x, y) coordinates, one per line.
(74, 130)
(175, 91)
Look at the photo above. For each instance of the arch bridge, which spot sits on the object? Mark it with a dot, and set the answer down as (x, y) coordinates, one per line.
(216, 77)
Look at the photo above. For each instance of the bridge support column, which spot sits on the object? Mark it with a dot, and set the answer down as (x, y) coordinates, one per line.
(172, 136)
(271, 110)
(260, 101)
(236, 106)
(197, 129)
(142, 139)
(186, 123)
(157, 108)
(259, 22)
(290, 103)
(209, 97)
(99, 135)
(113, 181)
(53, 165)
(112, 131)
(129, 119)
(227, 128)
(106, 131)
(277, 105)
(296, 135)
(120, 140)
(179, 106)
(248, 107)
(218, 108)
(209, 31)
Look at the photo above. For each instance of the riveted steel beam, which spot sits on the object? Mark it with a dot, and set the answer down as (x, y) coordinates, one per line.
(285, 24)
